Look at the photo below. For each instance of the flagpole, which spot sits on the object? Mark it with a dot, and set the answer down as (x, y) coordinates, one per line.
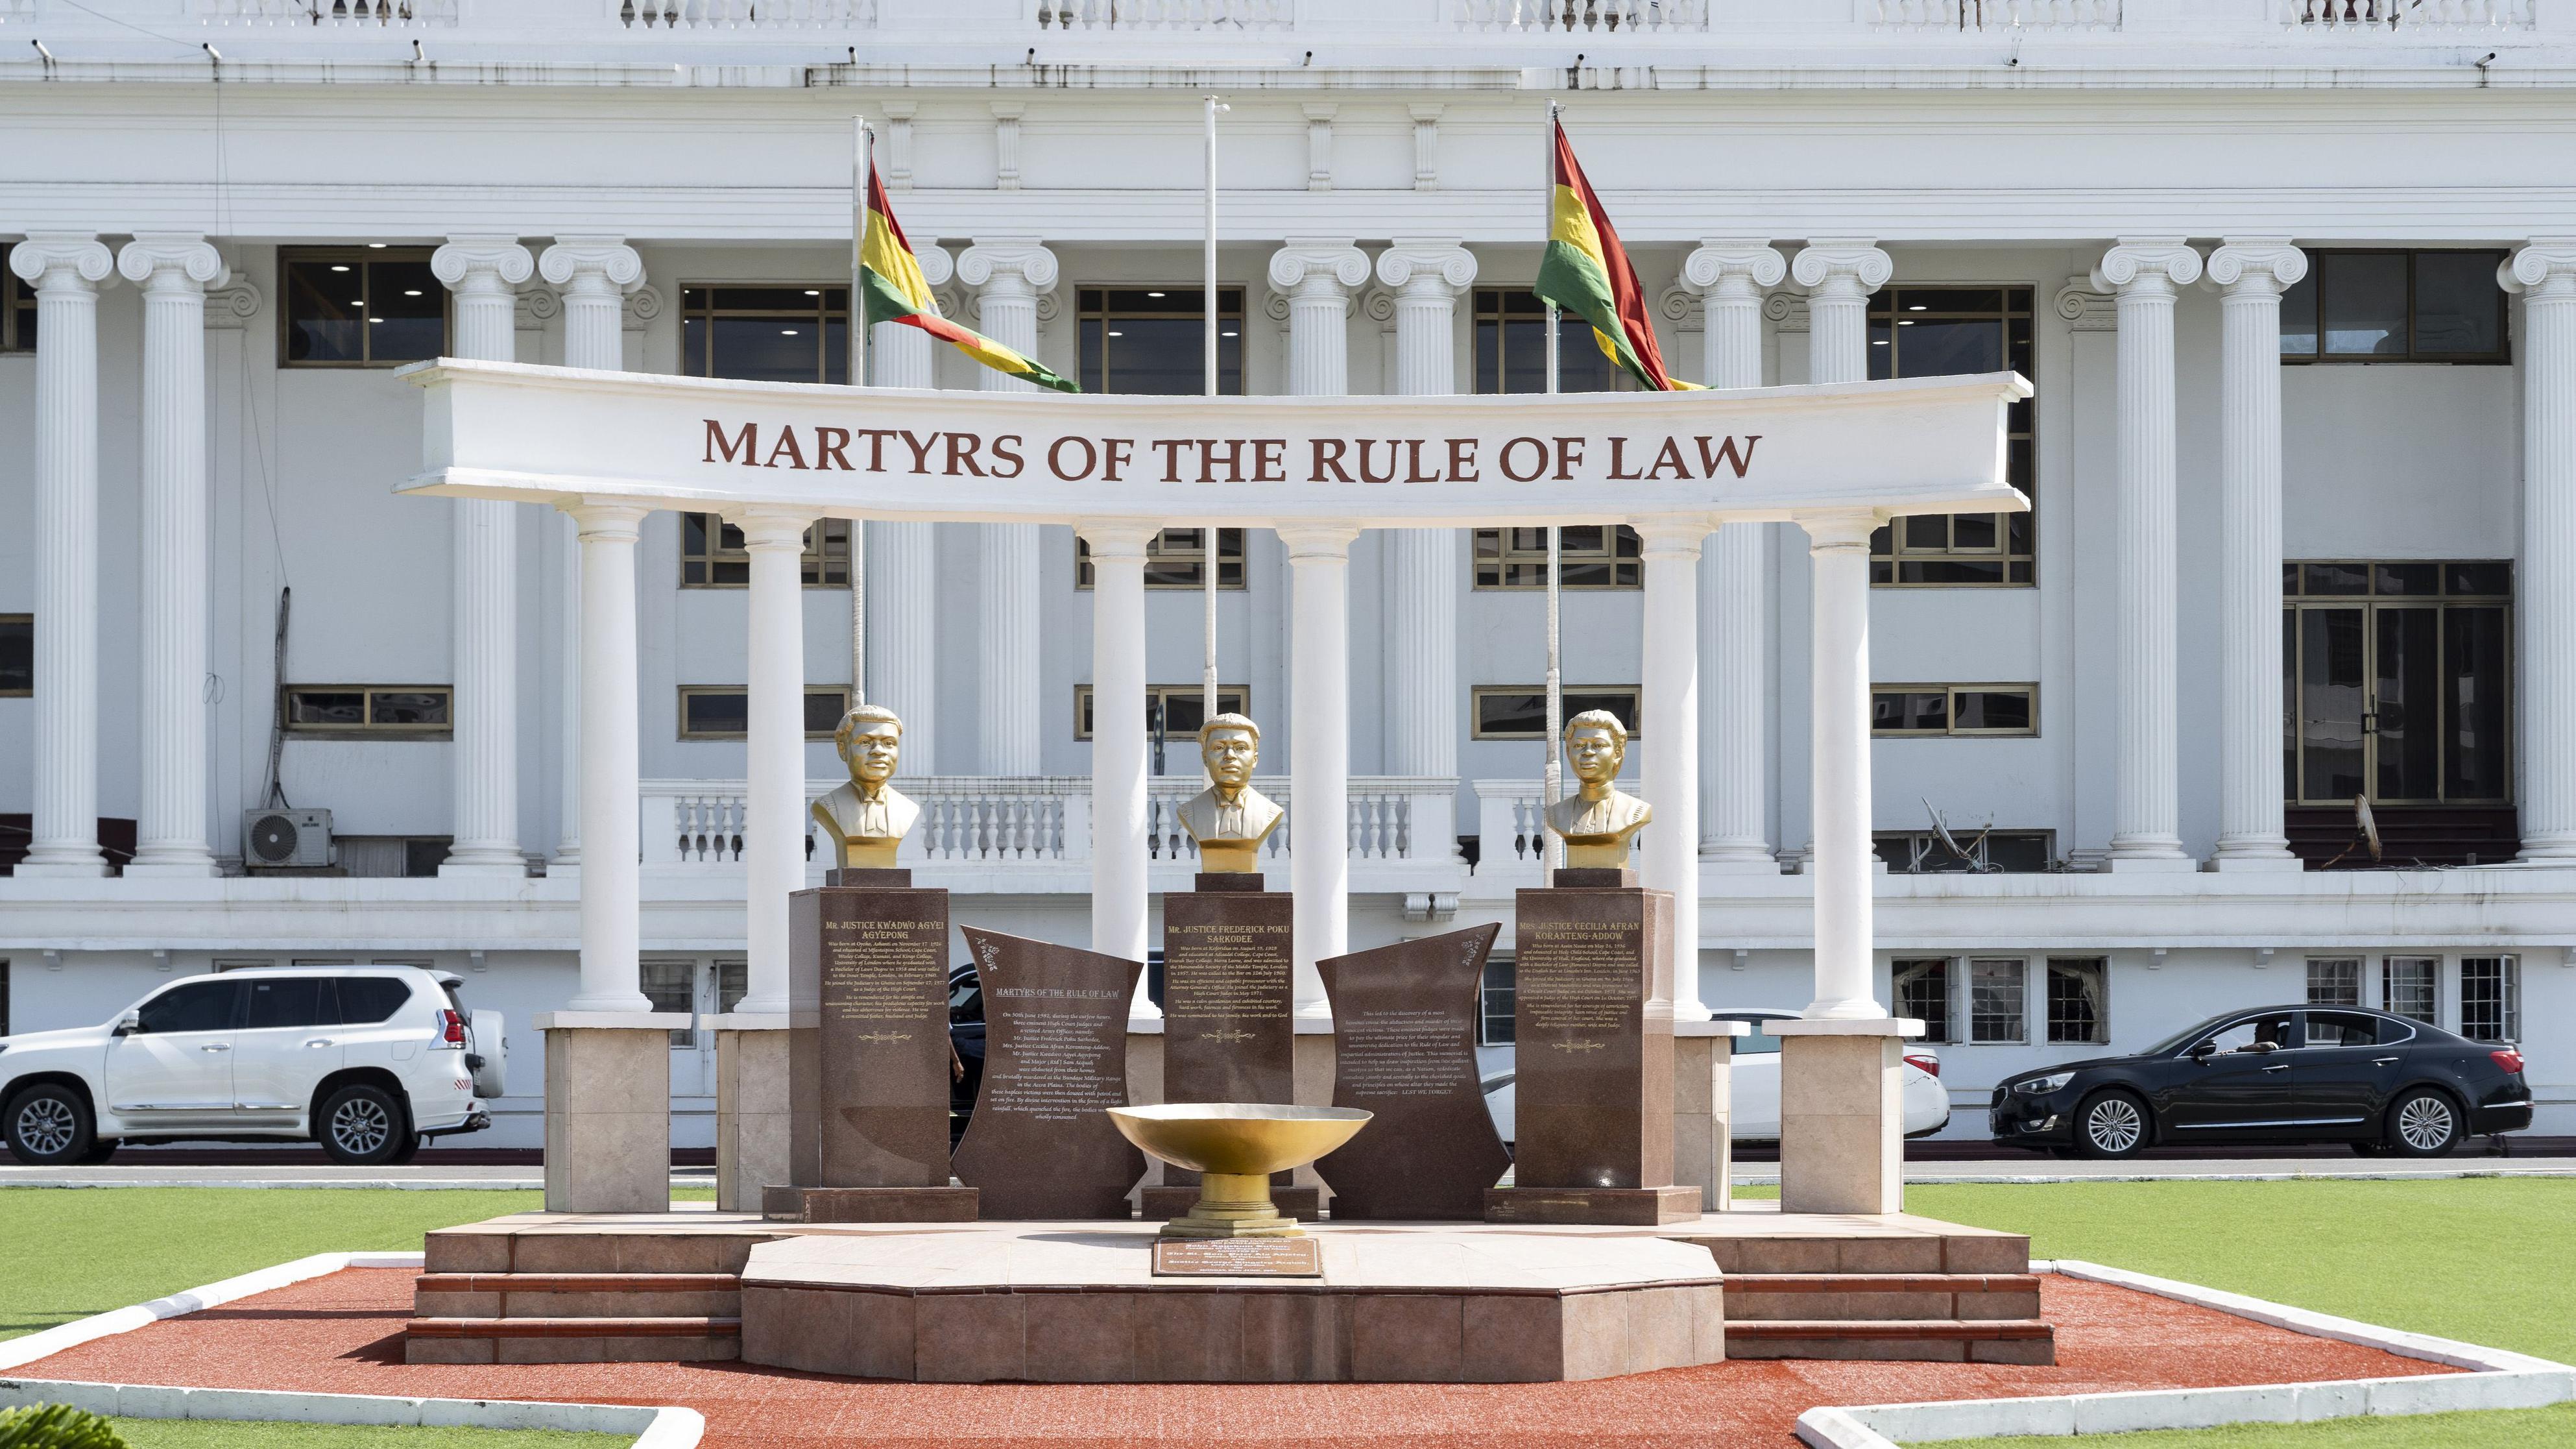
(860, 141)
(1555, 772)
(1208, 532)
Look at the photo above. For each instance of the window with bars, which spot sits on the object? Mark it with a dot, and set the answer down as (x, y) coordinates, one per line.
(2396, 681)
(1495, 1003)
(2079, 999)
(1179, 708)
(1153, 340)
(2410, 986)
(372, 306)
(1596, 556)
(1176, 558)
(1519, 711)
(1945, 331)
(721, 712)
(1922, 989)
(1511, 348)
(2491, 998)
(712, 555)
(2334, 981)
(1903, 711)
(2397, 306)
(1997, 1007)
(17, 309)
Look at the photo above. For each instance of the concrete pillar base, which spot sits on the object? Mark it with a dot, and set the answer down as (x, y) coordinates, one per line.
(608, 1110)
(752, 1109)
(1842, 1114)
(1704, 1111)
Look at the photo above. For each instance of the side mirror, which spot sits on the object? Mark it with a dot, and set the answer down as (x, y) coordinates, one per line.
(130, 1023)
(2204, 1051)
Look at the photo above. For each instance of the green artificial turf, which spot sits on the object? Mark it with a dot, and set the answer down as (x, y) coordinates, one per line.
(2550, 1428)
(226, 1434)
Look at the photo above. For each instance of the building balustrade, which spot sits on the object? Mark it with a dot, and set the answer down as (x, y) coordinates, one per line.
(1078, 15)
(376, 14)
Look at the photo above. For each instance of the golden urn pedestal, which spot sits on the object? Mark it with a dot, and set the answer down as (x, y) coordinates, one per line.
(1234, 1147)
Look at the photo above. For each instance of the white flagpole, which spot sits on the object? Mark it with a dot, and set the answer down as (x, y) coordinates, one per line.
(1208, 532)
(860, 141)
(1555, 775)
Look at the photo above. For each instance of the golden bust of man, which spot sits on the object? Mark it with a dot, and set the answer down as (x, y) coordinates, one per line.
(1230, 819)
(1597, 819)
(867, 817)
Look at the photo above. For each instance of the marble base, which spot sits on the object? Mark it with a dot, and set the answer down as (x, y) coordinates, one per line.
(1162, 1203)
(752, 1115)
(608, 1114)
(1638, 1207)
(868, 1204)
(1842, 1115)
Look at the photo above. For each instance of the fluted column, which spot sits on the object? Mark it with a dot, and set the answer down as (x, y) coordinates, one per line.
(1318, 275)
(1319, 748)
(903, 642)
(1422, 563)
(773, 849)
(1008, 274)
(611, 826)
(2544, 272)
(66, 269)
(2254, 271)
(595, 273)
(484, 273)
(1839, 273)
(1669, 731)
(1118, 850)
(1734, 605)
(2145, 272)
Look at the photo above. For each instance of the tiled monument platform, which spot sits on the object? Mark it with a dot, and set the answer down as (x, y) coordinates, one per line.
(1075, 1301)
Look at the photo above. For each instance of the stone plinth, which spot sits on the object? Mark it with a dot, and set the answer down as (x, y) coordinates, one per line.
(1704, 1110)
(868, 969)
(1842, 1114)
(608, 1110)
(1228, 1036)
(753, 1117)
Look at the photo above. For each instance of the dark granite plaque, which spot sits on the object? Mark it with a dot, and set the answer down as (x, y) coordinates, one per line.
(868, 1078)
(1593, 1026)
(1237, 1258)
(1040, 1144)
(1404, 1047)
(1227, 962)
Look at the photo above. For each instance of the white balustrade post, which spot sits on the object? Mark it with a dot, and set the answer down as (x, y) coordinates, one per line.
(1008, 275)
(1668, 729)
(2254, 271)
(66, 269)
(173, 269)
(1838, 552)
(484, 272)
(1319, 749)
(902, 613)
(1118, 745)
(2544, 272)
(1734, 601)
(773, 847)
(2145, 272)
(611, 883)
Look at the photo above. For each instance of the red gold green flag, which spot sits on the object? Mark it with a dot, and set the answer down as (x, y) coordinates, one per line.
(1586, 272)
(891, 278)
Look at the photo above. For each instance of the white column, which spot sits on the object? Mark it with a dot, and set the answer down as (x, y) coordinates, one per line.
(1118, 857)
(173, 269)
(2145, 272)
(2544, 272)
(1734, 601)
(484, 273)
(1838, 553)
(1318, 275)
(1668, 729)
(1839, 273)
(595, 273)
(2254, 271)
(773, 848)
(903, 643)
(66, 269)
(1422, 563)
(611, 883)
(1319, 748)
(1008, 274)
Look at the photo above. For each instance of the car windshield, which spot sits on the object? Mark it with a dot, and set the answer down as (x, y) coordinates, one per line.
(2271, 1027)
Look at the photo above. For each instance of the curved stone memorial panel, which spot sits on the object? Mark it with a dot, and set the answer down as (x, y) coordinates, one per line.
(1404, 1047)
(1040, 1144)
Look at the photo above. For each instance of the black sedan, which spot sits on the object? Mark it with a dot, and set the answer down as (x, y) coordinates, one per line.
(965, 1047)
(2274, 1075)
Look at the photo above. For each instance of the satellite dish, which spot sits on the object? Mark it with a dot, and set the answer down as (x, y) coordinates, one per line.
(1941, 828)
(2369, 826)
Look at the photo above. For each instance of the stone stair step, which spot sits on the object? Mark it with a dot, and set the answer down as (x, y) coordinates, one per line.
(1880, 1297)
(1944, 1340)
(573, 1327)
(571, 1340)
(578, 1283)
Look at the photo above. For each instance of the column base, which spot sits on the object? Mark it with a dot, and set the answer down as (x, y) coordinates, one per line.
(2250, 864)
(2151, 865)
(1842, 1114)
(752, 1108)
(512, 866)
(62, 868)
(608, 1110)
(178, 868)
(1755, 864)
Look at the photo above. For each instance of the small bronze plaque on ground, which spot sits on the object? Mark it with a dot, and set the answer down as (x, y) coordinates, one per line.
(1237, 1258)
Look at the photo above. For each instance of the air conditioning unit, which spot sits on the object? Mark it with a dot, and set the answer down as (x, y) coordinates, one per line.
(281, 839)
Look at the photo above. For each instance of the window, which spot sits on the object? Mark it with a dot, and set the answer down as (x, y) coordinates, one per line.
(712, 555)
(2395, 306)
(673, 986)
(722, 712)
(1755, 1039)
(390, 857)
(1923, 990)
(2410, 986)
(1176, 558)
(4, 965)
(17, 310)
(1511, 348)
(17, 655)
(1901, 711)
(367, 1000)
(1154, 340)
(733, 983)
(783, 333)
(361, 306)
(2347, 1029)
(2272, 1029)
(1943, 331)
(2078, 999)
(2490, 998)
(392, 711)
(1180, 708)
(1495, 1004)
(2334, 981)
(288, 1001)
(2397, 676)
(1595, 556)
(1519, 711)
(1924, 852)
(197, 1006)
(1995, 1012)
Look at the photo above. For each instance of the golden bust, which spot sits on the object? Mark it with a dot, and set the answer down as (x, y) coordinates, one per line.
(1230, 819)
(867, 817)
(1597, 819)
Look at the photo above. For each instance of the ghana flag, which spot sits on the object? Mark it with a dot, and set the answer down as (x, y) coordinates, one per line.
(1586, 272)
(891, 278)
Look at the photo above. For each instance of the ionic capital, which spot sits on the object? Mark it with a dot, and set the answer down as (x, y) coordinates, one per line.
(1841, 529)
(592, 264)
(1318, 541)
(937, 267)
(1121, 540)
(606, 520)
(172, 261)
(1735, 268)
(1671, 537)
(2257, 264)
(2544, 267)
(2147, 266)
(770, 525)
(485, 264)
(1005, 267)
(1421, 267)
(62, 261)
(1318, 267)
(1843, 266)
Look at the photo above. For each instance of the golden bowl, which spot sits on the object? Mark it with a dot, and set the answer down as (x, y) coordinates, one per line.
(1238, 1139)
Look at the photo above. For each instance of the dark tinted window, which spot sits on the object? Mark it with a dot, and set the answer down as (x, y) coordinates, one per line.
(366, 1000)
(198, 1006)
(2350, 1028)
(17, 654)
(285, 1001)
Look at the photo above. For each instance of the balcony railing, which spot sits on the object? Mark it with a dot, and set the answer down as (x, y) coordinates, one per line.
(324, 14)
(1240, 15)
(1991, 15)
(1582, 17)
(2356, 17)
(700, 16)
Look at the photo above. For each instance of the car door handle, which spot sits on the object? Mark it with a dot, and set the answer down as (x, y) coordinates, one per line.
(2381, 1061)
(319, 1041)
(2283, 1067)
(214, 1047)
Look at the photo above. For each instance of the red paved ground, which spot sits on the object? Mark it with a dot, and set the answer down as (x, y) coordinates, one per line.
(342, 1334)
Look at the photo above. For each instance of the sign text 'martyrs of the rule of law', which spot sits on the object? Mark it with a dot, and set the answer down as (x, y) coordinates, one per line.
(1077, 458)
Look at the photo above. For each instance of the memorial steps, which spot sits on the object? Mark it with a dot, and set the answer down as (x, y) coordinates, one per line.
(527, 1289)
(1917, 1290)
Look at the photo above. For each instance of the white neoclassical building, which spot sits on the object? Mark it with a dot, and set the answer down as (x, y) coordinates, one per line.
(2294, 280)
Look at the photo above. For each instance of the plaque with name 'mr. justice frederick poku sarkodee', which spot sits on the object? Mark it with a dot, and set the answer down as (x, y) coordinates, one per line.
(1041, 1143)
(873, 1069)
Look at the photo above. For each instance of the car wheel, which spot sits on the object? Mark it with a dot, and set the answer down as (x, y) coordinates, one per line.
(2112, 1124)
(50, 1126)
(361, 1125)
(2423, 1123)
(408, 1150)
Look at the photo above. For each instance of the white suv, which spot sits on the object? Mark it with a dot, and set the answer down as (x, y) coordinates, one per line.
(366, 1060)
